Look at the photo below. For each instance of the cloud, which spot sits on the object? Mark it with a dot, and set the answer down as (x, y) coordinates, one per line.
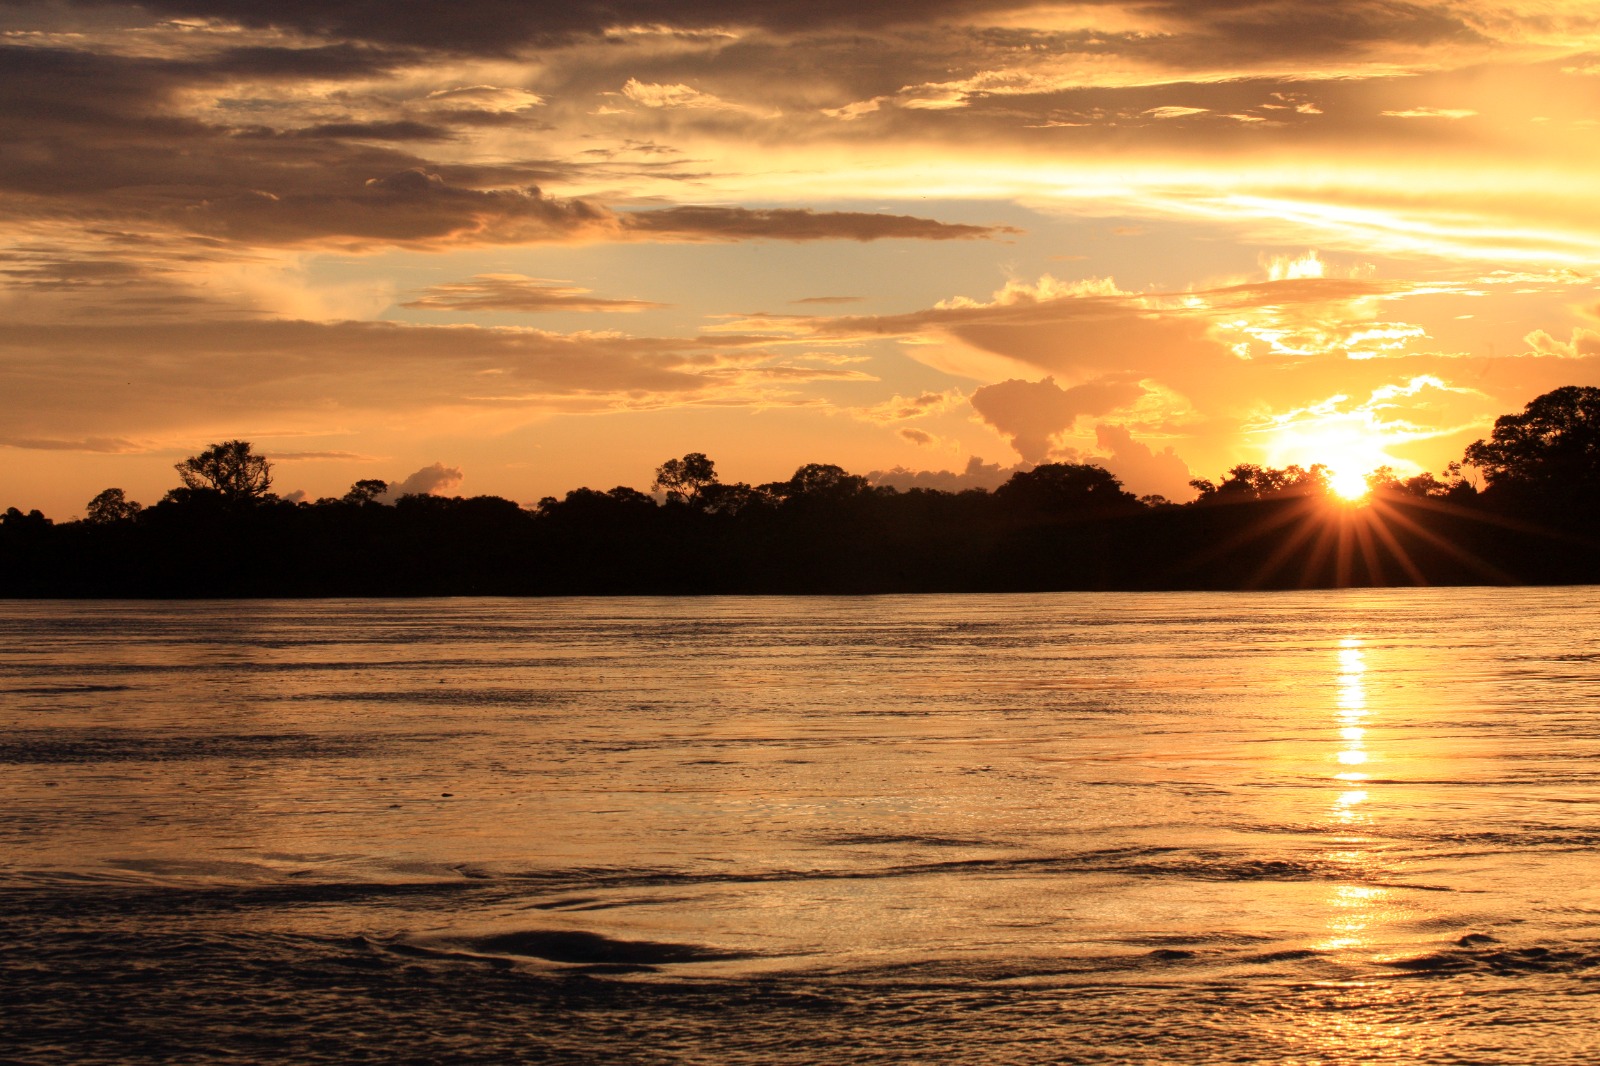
(1206, 342)
(434, 480)
(102, 445)
(290, 457)
(1584, 343)
(692, 222)
(495, 28)
(376, 131)
(418, 207)
(906, 408)
(116, 381)
(976, 475)
(492, 98)
(648, 94)
(159, 142)
(407, 207)
(518, 293)
(917, 436)
(1430, 112)
(1140, 469)
(1034, 414)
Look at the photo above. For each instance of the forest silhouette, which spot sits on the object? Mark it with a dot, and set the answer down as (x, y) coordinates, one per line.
(1521, 508)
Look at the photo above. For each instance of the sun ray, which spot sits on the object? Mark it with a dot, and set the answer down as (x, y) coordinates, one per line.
(1369, 553)
(1473, 562)
(1309, 524)
(1374, 516)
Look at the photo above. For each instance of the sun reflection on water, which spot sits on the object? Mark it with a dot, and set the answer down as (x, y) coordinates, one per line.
(1343, 1027)
(1354, 905)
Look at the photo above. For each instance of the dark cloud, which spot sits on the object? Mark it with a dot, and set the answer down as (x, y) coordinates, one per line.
(327, 62)
(1035, 413)
(418, 206)
(1306, 29)
(798, 224)
(104, 136)
(407, 207)
(377, 131)
(499, 27)
(55, 273)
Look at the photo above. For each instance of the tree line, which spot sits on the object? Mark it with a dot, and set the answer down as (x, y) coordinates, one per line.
(1521, 506)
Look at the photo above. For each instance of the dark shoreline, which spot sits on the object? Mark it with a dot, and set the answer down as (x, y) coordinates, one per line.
(862, 545)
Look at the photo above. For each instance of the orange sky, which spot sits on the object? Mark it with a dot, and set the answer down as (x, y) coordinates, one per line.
(514, 248)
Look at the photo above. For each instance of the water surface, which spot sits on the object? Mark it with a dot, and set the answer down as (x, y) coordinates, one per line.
(1299, 827)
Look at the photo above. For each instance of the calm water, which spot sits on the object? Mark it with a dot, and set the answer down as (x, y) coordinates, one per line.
(1293, 828)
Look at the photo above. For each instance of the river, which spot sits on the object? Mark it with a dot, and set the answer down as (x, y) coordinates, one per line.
(1316, 827)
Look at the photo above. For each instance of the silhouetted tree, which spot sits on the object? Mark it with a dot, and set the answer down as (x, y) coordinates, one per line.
(1064, 487)
(110, 506)
(593, 505)
(1384, 481)
(685, 480)
(230, 469)
(820, 481)
(367, 490)
(33, 520)
(1247, 481)
(734, 499)
(1554, 442)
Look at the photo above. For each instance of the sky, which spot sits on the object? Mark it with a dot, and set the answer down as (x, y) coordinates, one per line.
(514, 248)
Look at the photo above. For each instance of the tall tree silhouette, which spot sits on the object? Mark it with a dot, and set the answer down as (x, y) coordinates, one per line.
(1057, 488)
(367, 490)
(229, 469)
(112, 505)
(686, 480)
(1554, 443)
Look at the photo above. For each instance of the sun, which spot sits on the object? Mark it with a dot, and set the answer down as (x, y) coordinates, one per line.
(1348, 447)
(1348, 484)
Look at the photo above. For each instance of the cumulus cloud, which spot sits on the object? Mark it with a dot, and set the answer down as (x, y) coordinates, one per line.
(434, 480)
(1583, 343)
(977, 474)
(1141, 469)
(518, 293)
(917, 436)
(1207, 342)
(1034, 414)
